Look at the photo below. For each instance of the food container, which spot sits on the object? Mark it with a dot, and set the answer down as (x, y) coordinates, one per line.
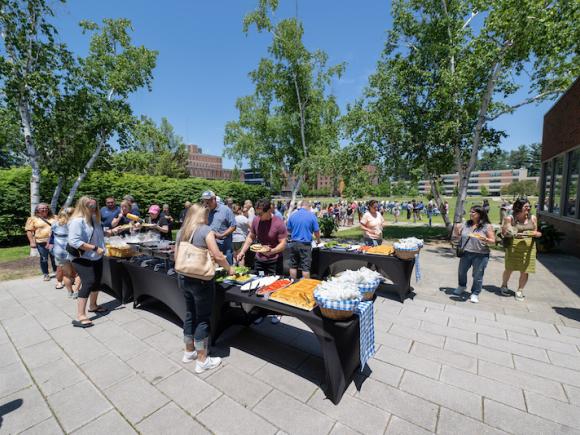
(336, 310)
(367, 291)
(405, 251)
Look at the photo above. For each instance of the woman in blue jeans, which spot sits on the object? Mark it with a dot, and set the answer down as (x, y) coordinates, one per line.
(475, 235)
(199, 293)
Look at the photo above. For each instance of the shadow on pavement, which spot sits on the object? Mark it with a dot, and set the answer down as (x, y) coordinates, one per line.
(565, 267)
(570, 313)
(7, 408)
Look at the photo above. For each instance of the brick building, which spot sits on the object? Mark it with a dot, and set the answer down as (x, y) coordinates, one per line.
(205, 165)
(560, 181)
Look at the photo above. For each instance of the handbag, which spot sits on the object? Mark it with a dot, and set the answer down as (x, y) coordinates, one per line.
(194, 262)
(76, 252)
(460, 249)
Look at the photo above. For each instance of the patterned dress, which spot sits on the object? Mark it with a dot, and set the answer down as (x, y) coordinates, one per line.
(520, 254)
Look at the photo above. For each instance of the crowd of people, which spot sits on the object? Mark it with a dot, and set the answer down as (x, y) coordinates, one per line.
(73, 244)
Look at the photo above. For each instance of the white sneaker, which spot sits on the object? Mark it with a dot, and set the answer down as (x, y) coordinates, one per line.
(189, 356)
(209, 364)
(459, 291)
(275, 319)
(474, 299)
(520, 296)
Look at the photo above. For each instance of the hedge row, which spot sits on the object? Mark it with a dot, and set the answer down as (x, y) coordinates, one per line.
(15, 193)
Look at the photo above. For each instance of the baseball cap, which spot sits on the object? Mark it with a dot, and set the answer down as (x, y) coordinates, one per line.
(208, 194)
(154, 209)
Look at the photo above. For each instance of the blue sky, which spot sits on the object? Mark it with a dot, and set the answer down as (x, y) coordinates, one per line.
(204, 58)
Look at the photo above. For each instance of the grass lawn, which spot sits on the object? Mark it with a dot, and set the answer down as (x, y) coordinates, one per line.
(14, 253)
(15, 263)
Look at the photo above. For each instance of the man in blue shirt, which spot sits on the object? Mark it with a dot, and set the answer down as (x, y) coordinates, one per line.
(301, 225)
(109, 212)
(222, 221)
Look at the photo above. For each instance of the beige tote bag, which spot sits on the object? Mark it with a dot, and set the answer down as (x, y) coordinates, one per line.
(194, 262)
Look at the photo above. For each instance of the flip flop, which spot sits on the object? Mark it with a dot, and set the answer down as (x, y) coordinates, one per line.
(99, 309)
(85, 323)
(59, 286)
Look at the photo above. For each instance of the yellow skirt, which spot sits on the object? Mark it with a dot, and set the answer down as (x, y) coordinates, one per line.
(521, 255)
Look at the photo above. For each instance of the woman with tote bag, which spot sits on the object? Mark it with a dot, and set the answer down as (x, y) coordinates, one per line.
(196, 252)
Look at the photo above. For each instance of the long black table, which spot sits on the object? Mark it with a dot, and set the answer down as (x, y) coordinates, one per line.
(116, 280)
(328, 262)
(339, 340)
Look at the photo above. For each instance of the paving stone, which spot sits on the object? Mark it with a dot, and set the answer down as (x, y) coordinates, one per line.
(77, 405)
(468, 312)
(410, 361)
(507, 326)
(418, 335)
(291, 415)
(352, 412)
(244, 361)
(385, 372)
(436, 316)
(451, 422)
(341, 429)
(312, 369)
(398, 426)
(480, 352)
(13, 377)
(573, 394)
(83, 348)
(393, 341)
(560, 374)
(22, 410)
(56, 376)
(554, 410)
(164, 342)
(237, 385)
(544, 343)
(110, 423)
(107, 370)
(444, 356)
(25, 331)
(119, 341)
(399, 403)
(188, 391)
(170, 420)
(405, 322)
(572, 332)
(527, 381)
(446, 331)
(478, 328)
(47, 427)
(40, 354)
(514, 347)
(517, 422)
(10, 310)
(564, 360)
(486, 387)
(287, 381)
(8, 355)
(225, 416)
(462, 401)
(142, 328)
(153, 366)
(511, 320)
(124, 314)
(135, 398)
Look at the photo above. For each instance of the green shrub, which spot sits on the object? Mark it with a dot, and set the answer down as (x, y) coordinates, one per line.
(147, 190)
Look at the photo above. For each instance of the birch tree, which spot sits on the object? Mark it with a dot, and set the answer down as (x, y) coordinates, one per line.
(290, 125)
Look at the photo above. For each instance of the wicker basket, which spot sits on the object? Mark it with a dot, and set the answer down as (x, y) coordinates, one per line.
(405, 254)
(336, 314)
(120, 252)
(366, 294)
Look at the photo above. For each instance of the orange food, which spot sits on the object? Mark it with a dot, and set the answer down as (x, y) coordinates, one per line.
(299, 295)
(381, 250)
(276, 285)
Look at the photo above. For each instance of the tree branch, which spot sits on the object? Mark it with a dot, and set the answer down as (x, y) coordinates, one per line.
(473, 15)
(530, 100)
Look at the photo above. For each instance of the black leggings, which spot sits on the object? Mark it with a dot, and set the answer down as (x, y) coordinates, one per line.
(90, 272)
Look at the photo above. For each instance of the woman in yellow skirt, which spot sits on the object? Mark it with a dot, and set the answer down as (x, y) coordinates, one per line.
(520, 230)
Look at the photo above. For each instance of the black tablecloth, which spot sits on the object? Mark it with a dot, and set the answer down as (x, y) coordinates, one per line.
(115, 279)
(328, 262)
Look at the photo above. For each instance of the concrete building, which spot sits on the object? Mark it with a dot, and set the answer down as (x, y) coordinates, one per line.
(205, 165)
(560, 181)
(492, 180)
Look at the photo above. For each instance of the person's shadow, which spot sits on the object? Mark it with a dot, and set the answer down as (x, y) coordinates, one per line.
(9, 407)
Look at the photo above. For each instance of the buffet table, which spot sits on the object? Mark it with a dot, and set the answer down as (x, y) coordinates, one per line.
(115, 279)
(328, 262)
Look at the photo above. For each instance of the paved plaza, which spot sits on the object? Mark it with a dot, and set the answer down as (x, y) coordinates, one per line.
(442, 365)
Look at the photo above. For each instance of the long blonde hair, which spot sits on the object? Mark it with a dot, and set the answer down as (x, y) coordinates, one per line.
(64, 215)
(82, 210)
(196, 216)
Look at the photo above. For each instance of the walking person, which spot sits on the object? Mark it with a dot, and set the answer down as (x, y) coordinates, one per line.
(475, 236)
(521, 232)
(372, 223)
(199, 293)
(396, 211)
(223, 223)
(301, 226)
(410, 207)
(65, 274)
(430, 207)
(38, 228)
(87, 236)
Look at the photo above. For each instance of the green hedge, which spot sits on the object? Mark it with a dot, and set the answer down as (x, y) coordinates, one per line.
(15, 194)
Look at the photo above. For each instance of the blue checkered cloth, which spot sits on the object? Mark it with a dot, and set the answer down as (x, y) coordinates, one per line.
(331, 304)
(370, 287)
(417, 268)
(364, 310)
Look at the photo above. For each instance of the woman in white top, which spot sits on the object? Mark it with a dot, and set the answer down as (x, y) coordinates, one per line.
(372, 223)
(242, 229)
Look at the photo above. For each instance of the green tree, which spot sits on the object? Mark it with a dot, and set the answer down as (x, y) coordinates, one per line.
(519, 158)
(535, 161)
(494, 159)
(484, 191)
(289, 126)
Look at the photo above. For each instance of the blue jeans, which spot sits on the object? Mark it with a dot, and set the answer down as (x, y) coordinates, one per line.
(198, 303)
(227, 249)
(478, 262)
(373, 242)
(44, 256)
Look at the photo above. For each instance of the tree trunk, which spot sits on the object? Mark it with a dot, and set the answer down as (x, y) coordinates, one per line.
(56, 194)
(83, 174)
(440, 203)
(31, 154)
(295, 190)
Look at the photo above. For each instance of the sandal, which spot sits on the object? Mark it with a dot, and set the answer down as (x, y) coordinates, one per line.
(59, 285)
(84, 323)
(98, 309)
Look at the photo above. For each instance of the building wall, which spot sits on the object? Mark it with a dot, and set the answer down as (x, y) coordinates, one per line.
(205, 165)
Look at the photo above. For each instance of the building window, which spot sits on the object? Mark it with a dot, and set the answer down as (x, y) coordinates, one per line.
(572, 183)
(547, 193)
(558, 185)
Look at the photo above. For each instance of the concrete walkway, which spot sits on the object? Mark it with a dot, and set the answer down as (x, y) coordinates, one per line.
(443, 366)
